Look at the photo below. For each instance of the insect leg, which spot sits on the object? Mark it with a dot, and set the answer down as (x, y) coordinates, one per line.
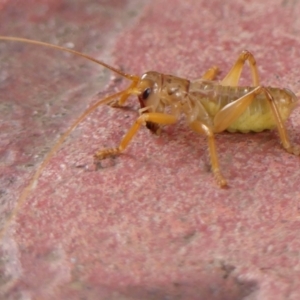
(33, 181)
(229, 113)
(203, 129)
(280, 125)
(233, 76)
(158, 118)
(211, 73)
(124, 97)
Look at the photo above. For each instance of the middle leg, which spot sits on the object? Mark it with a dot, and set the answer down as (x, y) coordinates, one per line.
(204, 129)
(210, 74)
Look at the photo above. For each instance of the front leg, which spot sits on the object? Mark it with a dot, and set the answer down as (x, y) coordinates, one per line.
(157, 118)
(129, 91)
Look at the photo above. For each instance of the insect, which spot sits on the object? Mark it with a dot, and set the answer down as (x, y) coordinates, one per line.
(208, 106)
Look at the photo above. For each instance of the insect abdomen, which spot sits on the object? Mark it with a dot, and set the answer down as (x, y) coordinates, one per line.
(258, 115)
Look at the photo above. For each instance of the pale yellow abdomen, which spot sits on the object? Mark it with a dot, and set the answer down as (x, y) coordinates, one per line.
(258, 116)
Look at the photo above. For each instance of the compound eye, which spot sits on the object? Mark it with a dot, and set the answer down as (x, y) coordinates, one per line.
(146, 93)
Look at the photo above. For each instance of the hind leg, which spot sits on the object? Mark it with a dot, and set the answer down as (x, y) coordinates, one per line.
(233, 76)
(231, 112)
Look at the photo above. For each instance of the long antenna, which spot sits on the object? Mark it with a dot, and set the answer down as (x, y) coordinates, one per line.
(33, 181)
(125, 93)
(16, 39)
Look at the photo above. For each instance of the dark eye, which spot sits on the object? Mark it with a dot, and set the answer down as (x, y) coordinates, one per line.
(146, 93)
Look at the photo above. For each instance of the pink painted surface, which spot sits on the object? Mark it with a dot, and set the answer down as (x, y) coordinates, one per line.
(151, 223)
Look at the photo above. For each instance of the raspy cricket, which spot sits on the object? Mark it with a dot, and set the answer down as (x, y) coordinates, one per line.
(208, 106)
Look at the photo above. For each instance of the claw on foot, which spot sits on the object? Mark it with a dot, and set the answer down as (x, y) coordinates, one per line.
(115, 103)
(293, 150)
(101, 154)
(220, 179)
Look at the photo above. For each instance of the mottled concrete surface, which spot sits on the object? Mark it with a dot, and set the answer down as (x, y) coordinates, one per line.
(151, 223)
